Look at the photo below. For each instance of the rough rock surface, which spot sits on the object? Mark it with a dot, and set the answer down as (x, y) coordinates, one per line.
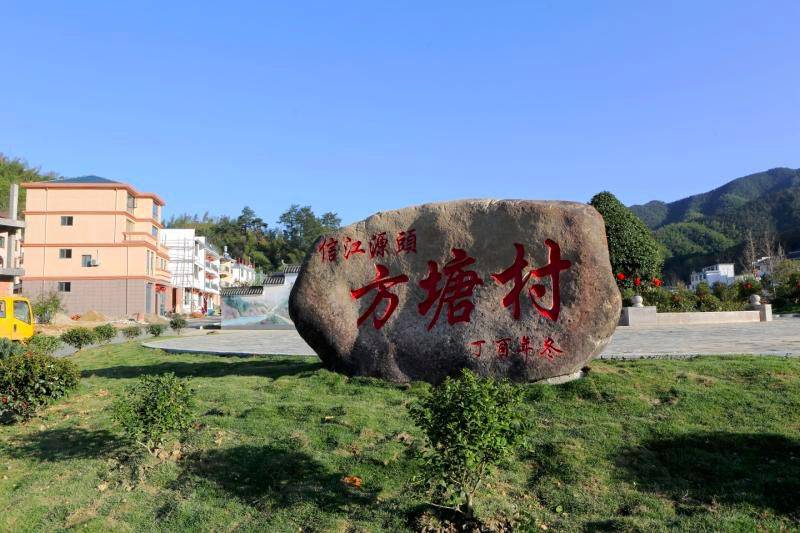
(438, 311)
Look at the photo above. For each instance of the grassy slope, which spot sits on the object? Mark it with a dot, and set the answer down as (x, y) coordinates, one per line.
(711, 443)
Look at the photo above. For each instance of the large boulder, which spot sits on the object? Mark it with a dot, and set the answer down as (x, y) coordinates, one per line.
(508, 288)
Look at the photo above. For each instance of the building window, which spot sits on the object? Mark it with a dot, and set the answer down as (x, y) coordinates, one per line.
(2, 309)
(129, 227)
(65, 253)
(131, 202)
(86, 260)
(2, 241)
(154, 232)
(66, 220)
(155, 211)
(64, 286)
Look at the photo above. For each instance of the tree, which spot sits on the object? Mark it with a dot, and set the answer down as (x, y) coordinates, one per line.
(749, 253)
(301, 227)
(18, 171)
(249, 237)
(632, 248)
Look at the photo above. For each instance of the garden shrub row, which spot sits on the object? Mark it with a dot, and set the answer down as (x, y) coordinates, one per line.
(81, 337)
(718, 297)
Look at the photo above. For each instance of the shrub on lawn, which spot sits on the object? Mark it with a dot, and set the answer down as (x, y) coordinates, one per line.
(156, 329)
(79, 337)
(153, 407)
(131, 332)
(9, 348)
(105, 333)
(45, 306)
(43, 344)
(177, 324)
(470, 424)
(31, 380)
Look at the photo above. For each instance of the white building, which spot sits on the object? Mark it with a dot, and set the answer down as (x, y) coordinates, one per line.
(195, 268)
(721, 272)
(236, 272)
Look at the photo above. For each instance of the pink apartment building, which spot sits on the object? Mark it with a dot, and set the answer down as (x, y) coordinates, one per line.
(97, 243)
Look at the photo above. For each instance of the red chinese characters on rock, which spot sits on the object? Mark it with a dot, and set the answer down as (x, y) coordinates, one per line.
(525, 347)
(328, 249)
(504, 348)
(455, 293)
(352, 247)
(516, 273)
(549, 349)
(407, 241)
(479, 346)
(382, 283)
(378, 244)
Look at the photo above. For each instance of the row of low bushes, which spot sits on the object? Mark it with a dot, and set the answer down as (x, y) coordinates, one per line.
(81, 337)
(719, 297)
(31, 377)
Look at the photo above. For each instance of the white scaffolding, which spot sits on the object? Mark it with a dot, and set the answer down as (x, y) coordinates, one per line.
(184, 268)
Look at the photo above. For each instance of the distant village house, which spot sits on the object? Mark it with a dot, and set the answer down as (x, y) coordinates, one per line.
(719, 273)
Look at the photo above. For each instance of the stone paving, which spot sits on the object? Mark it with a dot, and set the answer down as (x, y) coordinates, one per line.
(779, 337)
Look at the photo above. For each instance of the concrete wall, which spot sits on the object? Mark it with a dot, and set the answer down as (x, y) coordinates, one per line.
(113, 297)
(648, 316)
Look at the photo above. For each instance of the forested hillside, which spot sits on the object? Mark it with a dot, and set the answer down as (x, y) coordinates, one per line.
(709, 227)
(248, 236)
(18, 171)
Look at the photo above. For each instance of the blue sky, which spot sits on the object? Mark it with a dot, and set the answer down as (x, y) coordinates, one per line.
(356, 107)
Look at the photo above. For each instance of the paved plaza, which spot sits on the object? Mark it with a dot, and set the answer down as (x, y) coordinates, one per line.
(779, 337)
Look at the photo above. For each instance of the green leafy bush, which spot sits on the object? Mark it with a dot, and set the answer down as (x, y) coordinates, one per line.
(470, 424)
(747, 287)
(131, 332)
(177, 324)
(45, 306)
(154, 407)
(30, 380)
(708, 302)
(705, 298)
(105, 333)
(726, 293)
(43, 344)
(9, 348)
(79, 337)
(156, 329)
(786, 280)
(632, 247)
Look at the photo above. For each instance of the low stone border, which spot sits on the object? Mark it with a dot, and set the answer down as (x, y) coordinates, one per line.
(649, 316)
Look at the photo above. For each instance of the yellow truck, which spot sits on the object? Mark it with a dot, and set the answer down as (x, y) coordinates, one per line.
(16, 318)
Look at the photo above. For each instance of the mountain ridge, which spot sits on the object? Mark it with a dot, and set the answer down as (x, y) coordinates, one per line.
(708, 227)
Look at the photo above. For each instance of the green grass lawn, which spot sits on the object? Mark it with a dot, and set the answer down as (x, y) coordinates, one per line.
(705, 444)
